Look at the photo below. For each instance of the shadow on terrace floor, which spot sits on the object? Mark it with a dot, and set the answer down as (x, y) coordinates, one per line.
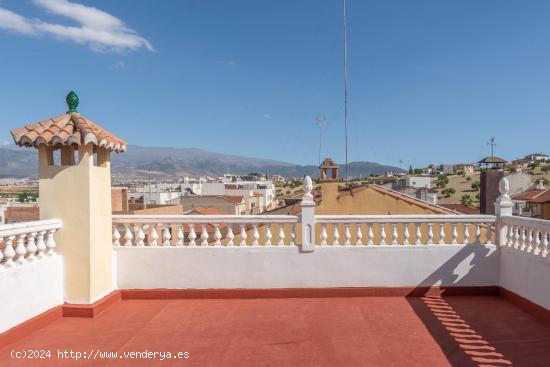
(478, 331)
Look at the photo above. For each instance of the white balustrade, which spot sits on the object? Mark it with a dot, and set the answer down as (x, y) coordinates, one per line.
(204, 230)
(22, 243)
(423, 233)
(527, 234)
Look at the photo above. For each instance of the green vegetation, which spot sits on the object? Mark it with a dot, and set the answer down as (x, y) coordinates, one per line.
(442, 181)
(466, 200)
(475, 185)
(448, 192)
(26, 197)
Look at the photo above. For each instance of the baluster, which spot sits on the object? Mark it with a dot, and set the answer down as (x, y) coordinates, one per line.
(335, 235)
(488, 233)
(394, 234)
(347, 235)
(116, 236)
(255, 235)
(31, 246)
(20, 249)
(192, 236)
(418, 235)
(382, 233)
(41, 245)
(406, 234)
(230, 236)
(465, 234)
(454, 234)
(370, 235)
(204, 235)
(510, 236)
(179, 235)
(281, 235)
(441, 233)
(292, 234)
(140, 235)
(324, 235)
(545, 244)
(478, 234)
(128, 236)
(154, 236)
(530, 239)
(50, 241)
(268, 234)
(358, 235)
(538, 243)
(243, 235)
(217, 235)
(166, 236)
(9, 252)
(516, 236)
(430, 234)
(523, 238)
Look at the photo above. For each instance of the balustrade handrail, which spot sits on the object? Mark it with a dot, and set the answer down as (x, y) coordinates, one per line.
(436, 218)
(16, 229)
(202, 219)
(529, 222)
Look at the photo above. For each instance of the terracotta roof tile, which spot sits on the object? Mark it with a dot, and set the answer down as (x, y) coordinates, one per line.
(67, 129)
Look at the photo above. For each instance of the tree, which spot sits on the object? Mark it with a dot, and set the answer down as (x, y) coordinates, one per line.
(411, 169)
(448, 192)
(475, 185)
(546, 168)
(468, 179)
(418, 171)
(466, 200)
(25, 197)
(442, 181)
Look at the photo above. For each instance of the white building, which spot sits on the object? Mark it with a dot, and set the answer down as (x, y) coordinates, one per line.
(419, 181)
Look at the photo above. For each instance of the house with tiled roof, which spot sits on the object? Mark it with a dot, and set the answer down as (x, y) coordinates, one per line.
(534, 203)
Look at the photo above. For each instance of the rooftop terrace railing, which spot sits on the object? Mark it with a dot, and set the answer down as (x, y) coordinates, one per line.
(526, 234)
(204, 230)
(25, 242)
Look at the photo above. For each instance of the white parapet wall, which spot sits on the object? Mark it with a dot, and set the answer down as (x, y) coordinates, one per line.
(526, 274)
(30, 290)
(287, 267)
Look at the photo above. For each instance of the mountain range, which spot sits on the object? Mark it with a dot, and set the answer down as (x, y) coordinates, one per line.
(141, 161)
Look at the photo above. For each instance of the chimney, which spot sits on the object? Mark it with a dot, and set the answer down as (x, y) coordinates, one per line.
(540, 185)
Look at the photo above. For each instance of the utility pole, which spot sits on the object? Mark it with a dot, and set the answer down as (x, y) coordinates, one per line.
(346, 86)
(320, 121)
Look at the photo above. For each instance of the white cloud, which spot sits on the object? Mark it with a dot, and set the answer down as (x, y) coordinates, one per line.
(229, 63)
(119, 65)
(5, 142)
(268, 116)
(96, 29)
(15, 22)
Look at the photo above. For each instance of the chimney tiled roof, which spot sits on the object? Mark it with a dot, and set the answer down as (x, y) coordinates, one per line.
(68, 129)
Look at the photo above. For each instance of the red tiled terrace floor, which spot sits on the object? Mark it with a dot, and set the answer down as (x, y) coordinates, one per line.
(369, 331)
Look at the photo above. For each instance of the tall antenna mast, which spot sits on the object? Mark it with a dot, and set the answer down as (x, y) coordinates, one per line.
(320, 121)
(346, 86)
(492, 143)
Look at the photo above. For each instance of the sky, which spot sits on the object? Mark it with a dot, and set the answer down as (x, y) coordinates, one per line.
(430, 81)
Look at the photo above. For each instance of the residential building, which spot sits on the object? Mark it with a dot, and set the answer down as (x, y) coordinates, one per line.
(533, 203)
(277, 178)
(419, 182)
(533, 157)
(447, 169)
(226, 204)
(465, 167)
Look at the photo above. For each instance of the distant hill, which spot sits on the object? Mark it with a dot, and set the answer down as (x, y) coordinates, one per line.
(179, 162)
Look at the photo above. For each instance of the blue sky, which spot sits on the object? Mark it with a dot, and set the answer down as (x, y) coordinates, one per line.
(430, 81)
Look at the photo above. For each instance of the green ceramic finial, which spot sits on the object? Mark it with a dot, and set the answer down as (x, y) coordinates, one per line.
(72, 102)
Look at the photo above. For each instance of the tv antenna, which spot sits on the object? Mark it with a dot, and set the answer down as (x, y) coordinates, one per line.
(492, 143)
(320, 121)
(345, 21)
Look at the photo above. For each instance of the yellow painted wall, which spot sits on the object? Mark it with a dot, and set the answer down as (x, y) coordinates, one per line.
(80, 195)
